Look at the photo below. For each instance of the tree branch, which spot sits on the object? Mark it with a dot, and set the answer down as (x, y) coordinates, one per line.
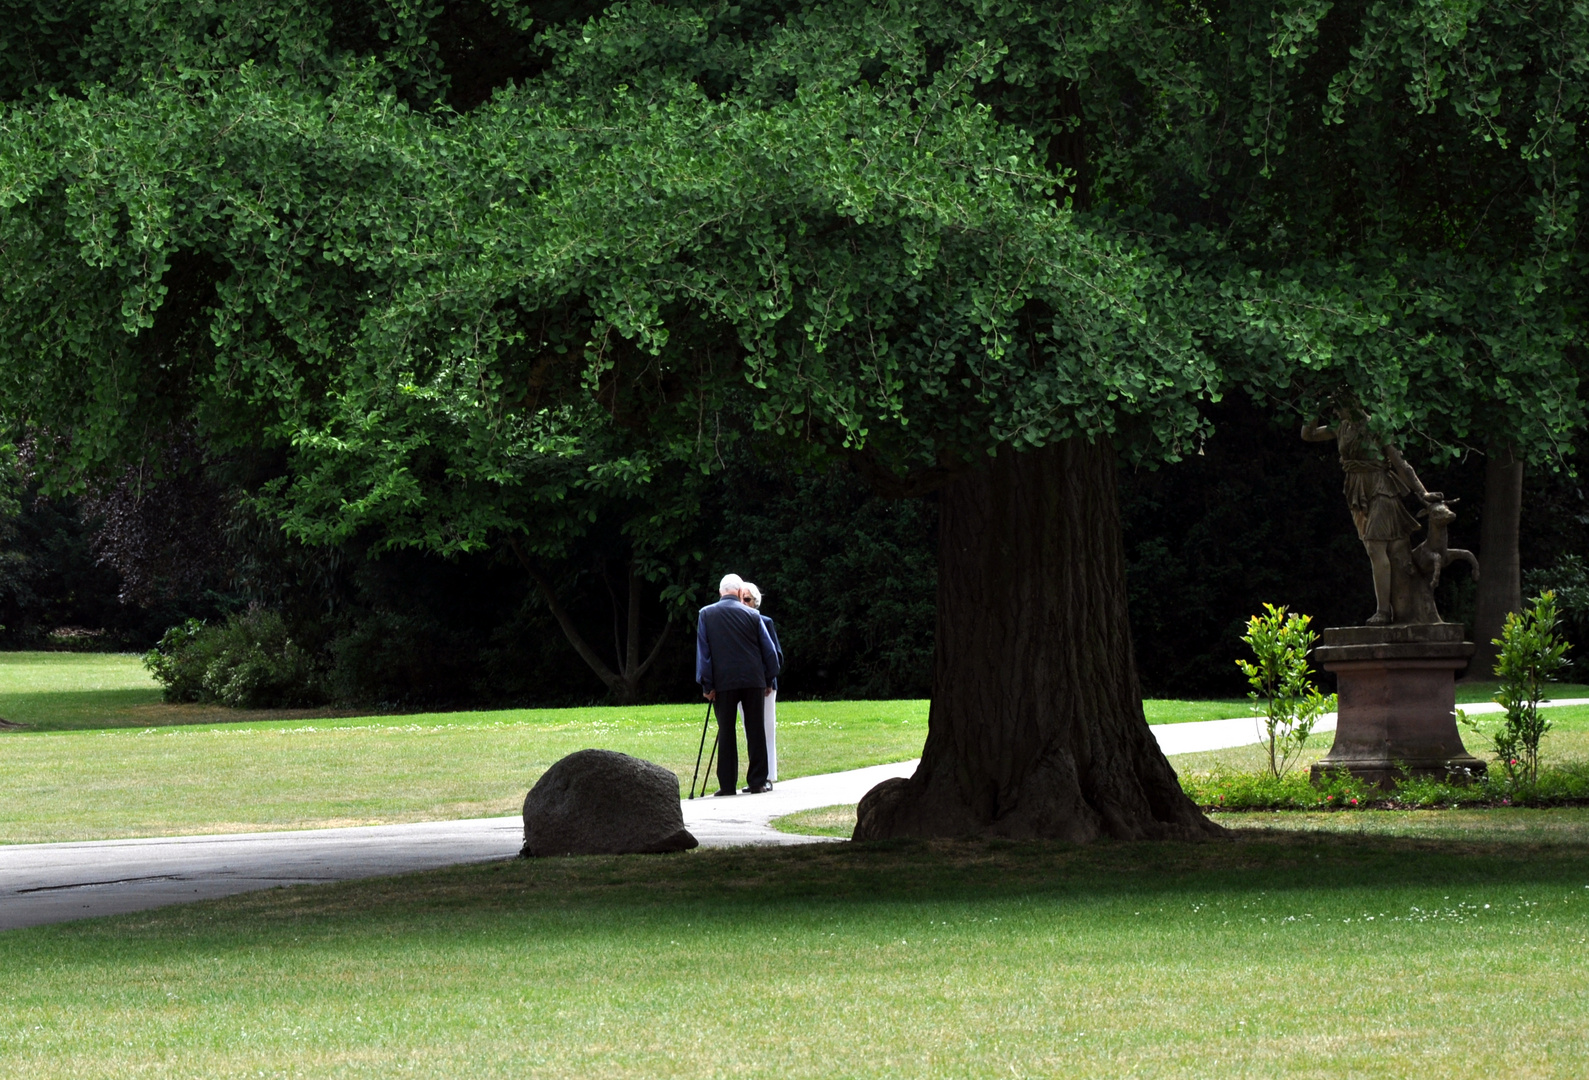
(632, 656)
(617, 637)
(890, 485)
(586, 653)
(656, 650)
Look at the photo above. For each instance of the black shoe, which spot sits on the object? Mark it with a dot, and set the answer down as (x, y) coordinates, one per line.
(722, 791)
(764, 788)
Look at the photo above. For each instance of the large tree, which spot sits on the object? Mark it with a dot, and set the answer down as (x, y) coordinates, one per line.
(971, 248)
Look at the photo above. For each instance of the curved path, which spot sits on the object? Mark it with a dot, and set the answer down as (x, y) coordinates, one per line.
(48, 883)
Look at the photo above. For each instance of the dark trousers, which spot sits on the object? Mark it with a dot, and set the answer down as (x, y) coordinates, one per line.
(727, 709)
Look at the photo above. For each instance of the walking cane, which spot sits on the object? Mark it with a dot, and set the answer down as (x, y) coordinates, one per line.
(704, 725)
(711, 758)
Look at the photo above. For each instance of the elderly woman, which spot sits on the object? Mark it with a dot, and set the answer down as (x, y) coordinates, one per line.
(751, 595)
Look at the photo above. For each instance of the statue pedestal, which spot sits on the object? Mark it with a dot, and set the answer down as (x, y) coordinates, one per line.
(1397, 687)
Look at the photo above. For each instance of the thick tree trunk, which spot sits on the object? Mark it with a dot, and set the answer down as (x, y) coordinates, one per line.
(1036, 727)
(1500, 580)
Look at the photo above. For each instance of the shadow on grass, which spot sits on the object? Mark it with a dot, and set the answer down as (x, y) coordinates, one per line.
(756, 883)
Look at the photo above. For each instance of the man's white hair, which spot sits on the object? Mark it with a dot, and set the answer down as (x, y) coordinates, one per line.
(731, 583)
(752, 595)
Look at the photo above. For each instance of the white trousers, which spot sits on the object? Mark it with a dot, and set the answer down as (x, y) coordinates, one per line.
(769, 712)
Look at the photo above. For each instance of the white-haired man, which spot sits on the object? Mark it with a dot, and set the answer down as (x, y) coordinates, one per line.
(735, 663)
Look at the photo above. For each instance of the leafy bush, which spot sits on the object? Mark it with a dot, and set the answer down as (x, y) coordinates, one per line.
(1225, 790)
(1568, 578)
(246, 662)
(1282, 680)
(1556, 786)
(391, 659)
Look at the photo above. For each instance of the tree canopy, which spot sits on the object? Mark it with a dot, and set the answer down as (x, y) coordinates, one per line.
(906, 233)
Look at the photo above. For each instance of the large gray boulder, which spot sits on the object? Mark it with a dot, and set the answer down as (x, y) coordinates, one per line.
(599, 802)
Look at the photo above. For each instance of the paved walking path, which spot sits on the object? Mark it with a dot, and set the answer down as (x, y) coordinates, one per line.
(49, 883)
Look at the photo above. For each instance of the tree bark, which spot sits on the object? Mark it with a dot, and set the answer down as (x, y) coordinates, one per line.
(1036, 727)
(1501, 580)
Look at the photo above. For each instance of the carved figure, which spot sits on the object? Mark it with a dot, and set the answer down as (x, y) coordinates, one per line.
(1433, 555)
(1378, 478)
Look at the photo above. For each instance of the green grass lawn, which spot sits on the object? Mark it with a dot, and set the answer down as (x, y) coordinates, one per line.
(1445, 945)
(79, 771)
(57, 691)
(248, 776)
(60, 691)
(823, 821)
(102, 757)
(1170, 711)
(1428, 944)
(1468, 692)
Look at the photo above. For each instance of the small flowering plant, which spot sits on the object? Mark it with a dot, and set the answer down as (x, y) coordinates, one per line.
(1225, 789)
(1341, 790)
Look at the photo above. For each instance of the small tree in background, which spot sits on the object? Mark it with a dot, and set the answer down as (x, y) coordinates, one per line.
(1531, 655)
(1281, 679)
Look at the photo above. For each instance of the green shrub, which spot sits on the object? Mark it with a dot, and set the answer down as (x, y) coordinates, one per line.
(246, 662)
(1568, 578)
(1555, 786)
(389, 659)
(1225, 790)
(1281, 680)
(1531, 655)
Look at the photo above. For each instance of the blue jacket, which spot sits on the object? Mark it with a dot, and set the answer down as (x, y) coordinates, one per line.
(733, 650)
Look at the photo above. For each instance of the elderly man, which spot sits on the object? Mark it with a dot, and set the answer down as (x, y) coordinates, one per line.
(735, 663)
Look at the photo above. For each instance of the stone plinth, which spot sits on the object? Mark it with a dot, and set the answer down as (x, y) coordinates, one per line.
(1397, 687)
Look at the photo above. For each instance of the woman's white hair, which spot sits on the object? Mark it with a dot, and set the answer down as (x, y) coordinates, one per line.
(731, 583)
(752, 595)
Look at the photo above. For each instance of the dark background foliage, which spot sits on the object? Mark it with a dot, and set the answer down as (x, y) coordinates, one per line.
(1256, 517)
(1214, 130)
(56, 592)
(1259, 517)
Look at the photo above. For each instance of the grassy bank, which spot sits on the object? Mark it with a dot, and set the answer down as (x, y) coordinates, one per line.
(59, 691)
(1286, 953)
(242, 777)
(261, 771)
(253, 775)
(100, 756)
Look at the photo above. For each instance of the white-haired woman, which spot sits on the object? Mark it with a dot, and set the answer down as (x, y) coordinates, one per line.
(751, 595)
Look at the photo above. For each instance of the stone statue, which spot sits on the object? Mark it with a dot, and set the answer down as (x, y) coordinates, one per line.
(1378, 479)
